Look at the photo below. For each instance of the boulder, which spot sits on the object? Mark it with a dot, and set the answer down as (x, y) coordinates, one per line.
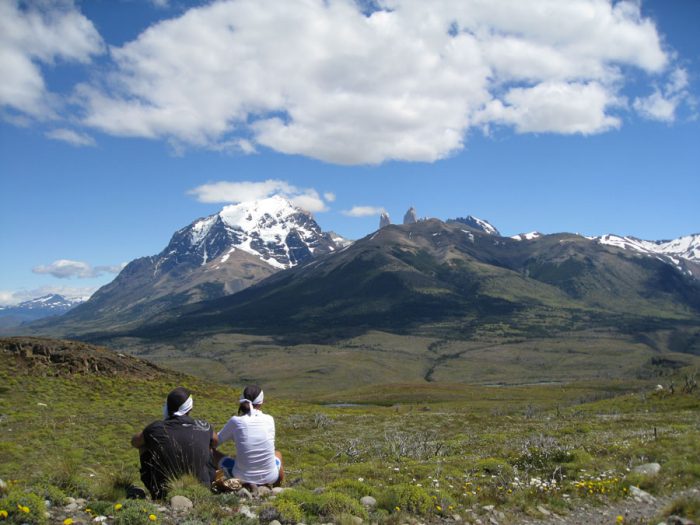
(181, 503)
(641, 496)
(244, 494)
(263, 491)
(648, 469)
(368, 501)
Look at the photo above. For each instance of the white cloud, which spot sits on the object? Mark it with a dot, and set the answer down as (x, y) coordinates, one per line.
(322, 79)
(38, 33)
(14, 297)
(555, 107)
(663, 102)
(65, 269)
(363, 211)
(329, 196)
(235, 192)
(71, 137)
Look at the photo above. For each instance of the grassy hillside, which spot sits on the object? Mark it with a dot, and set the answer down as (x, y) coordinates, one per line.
(427, 449)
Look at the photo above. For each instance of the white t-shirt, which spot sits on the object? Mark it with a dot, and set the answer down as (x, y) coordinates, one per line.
(254, 436)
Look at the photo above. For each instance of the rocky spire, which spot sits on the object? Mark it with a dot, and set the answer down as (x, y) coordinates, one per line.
(384, 220)
(410, 217)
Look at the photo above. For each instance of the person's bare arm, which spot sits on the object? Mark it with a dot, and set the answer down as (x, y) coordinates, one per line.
(214, 440)
(137, 440)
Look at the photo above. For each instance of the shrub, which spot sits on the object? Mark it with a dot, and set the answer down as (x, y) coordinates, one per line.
(286, 512)
(327, 504)
(353, 488)
(408, 498)
(685, 506)
(134, 512)
(24, 507)
(494, 466)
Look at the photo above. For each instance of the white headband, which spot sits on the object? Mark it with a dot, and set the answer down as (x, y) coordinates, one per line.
(184, 408)
(257, 401)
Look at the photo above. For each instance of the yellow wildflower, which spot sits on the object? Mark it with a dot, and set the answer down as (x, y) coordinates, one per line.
(152, 517)
(398, 509)
(620, 519)
(3, 514)
(68, 521)
(118, 506)
(439, 508)
(23, 508)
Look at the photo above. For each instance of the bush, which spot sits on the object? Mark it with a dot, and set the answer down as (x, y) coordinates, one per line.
(134, 512)
(494, 466)
(685, 506)
(353, 488)
(328, 504)
(24, 507)
(286, 512)
(408, 498)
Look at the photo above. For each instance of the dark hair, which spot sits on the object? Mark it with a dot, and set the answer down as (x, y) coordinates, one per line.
(176, 398)
(250, 393)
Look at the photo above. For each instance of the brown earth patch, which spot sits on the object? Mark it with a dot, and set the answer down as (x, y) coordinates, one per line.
(59, 357)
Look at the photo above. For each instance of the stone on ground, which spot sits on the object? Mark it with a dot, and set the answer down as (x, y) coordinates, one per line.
(641, 496)
(648, 469)
(180, 503)
(368, 501)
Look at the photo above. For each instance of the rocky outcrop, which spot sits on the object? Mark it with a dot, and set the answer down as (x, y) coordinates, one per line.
(384, 220)
(410, 216)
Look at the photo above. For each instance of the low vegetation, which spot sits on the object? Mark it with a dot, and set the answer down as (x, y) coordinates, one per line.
(429, 450)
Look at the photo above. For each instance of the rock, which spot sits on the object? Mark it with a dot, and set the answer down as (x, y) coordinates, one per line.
(640, 496)
(543, 511)
(100, 519)
(368, 501)
(384, 220)
(3, 487)
(677, 520)
(276, 491)
(410, 217)
(319, 490)
(493, 521)
(500, 515)
(648, 469)
(274, 522)
(357, 520)
(245, 511)
(71, 507)
(263, 491)
(180, 503)
(70, 500)
(456, 517)
(488, 508)
(81, 502)
(244, 494)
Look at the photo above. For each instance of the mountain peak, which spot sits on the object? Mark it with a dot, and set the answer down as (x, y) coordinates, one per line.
(478, 224)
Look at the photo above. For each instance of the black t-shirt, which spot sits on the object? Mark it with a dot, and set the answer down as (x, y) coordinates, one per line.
(176, 446)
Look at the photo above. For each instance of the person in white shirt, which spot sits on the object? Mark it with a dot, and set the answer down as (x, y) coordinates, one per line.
(256, 462)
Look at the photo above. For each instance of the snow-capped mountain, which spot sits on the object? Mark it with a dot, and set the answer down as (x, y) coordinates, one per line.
(38, 308)
(53, 303)
(212, 257)
(272, 229)
(687, 247)
(478, 224)
(683, 253)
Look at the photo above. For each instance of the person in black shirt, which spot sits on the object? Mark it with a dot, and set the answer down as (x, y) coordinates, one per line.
(175, 446)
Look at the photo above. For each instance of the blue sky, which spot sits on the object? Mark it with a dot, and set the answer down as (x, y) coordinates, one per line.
(121, 122)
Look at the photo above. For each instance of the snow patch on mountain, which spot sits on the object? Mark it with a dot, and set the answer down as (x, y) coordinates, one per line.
(687, 247)
(527, 236)
(478, 224)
